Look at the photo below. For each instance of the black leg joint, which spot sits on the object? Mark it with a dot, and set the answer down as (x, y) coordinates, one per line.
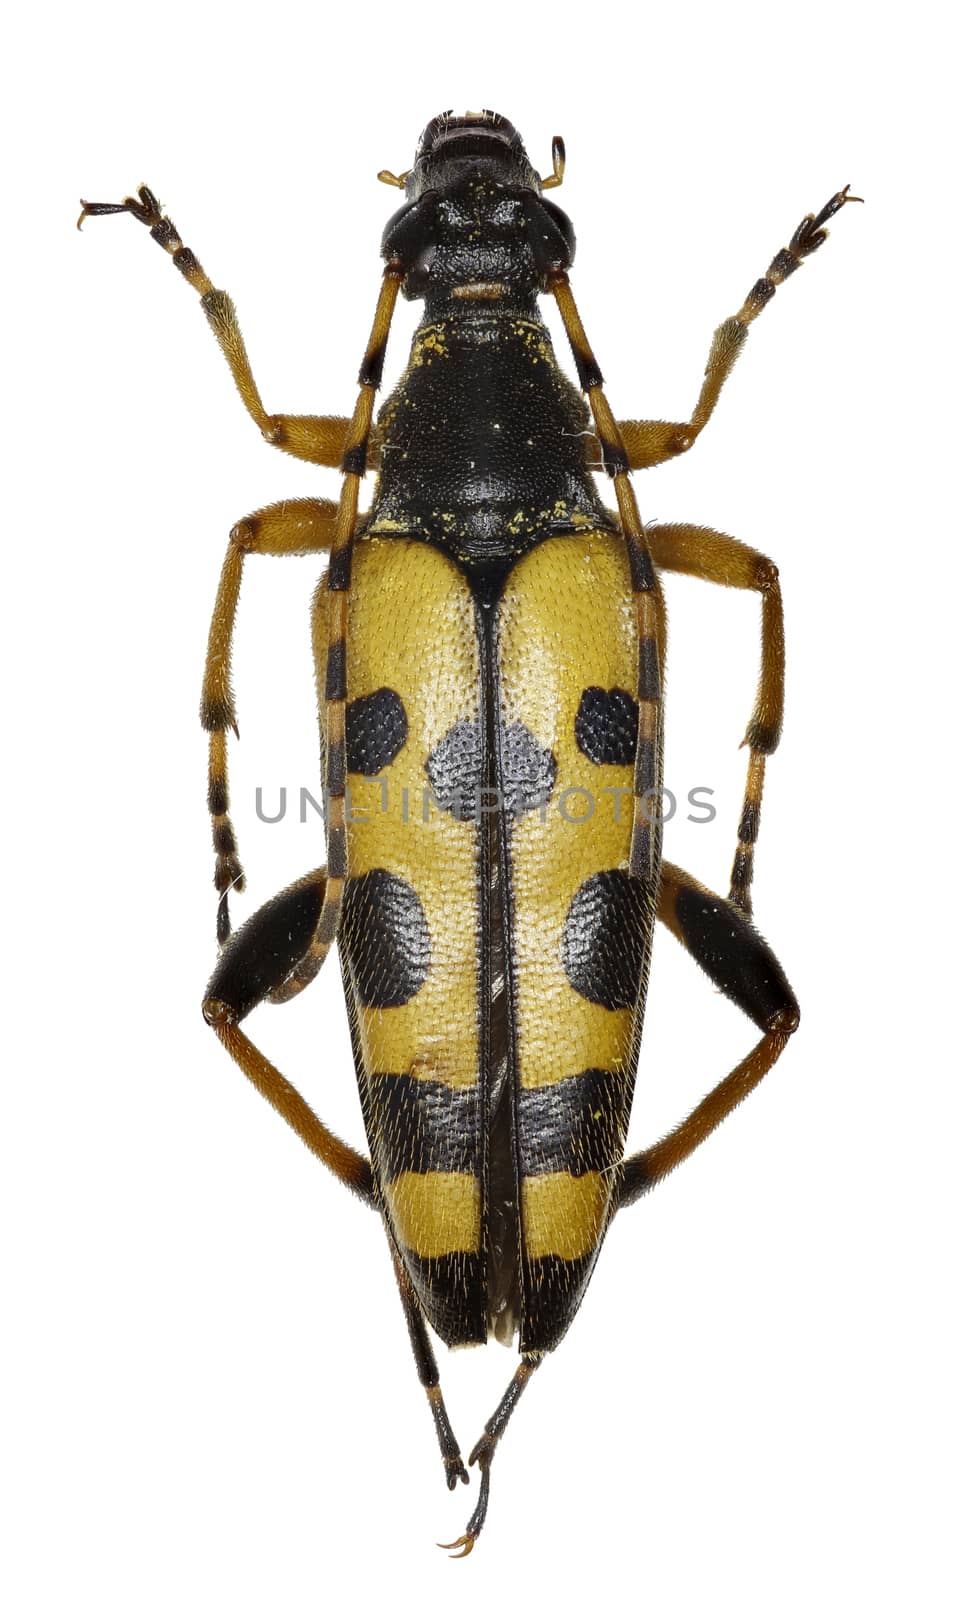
(734, 956)
(217, 797)
(761, 293)
(648, 687)
(355, 460)
(186, 261)
(165, 233)
(335, 672)
(266, 949)
(641, 573)
(749, 823)
(339, 569)
(370, 371)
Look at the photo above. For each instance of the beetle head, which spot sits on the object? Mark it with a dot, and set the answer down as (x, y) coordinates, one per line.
(481, 141)
(475, 220)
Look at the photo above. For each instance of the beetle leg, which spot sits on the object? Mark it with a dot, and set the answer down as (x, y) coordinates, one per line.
(650, 618)
(485, 1450)
(320, 440)
(291, 527)
(703, 553)
(331, 610)
(253, 962)
(428, 1374)
(737, 959)
(648, 444)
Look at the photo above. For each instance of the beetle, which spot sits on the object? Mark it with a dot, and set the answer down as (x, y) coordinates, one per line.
(489, 643)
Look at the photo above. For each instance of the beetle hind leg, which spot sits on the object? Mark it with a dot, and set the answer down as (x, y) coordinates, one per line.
(428, 1374)
(739, 961)
(253, 964)
(484, 1451)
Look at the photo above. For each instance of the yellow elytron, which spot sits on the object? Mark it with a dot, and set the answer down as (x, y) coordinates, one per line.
(435, 858)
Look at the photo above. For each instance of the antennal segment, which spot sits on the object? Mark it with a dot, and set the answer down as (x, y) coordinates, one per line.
(558, 164)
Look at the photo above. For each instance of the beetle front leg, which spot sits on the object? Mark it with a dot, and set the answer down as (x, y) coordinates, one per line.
(738, 960)
(289, 528)
(253, 964)
(703, 553)
(320, 440)
(648, 444)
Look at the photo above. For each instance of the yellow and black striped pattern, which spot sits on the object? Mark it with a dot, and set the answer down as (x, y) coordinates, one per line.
(411, 922)
(564, 660)
(581, 926)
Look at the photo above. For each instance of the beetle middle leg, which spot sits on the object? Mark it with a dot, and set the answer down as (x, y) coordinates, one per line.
(288, 528)
(737, 959)
(253, 964)
(485, 1449)
(703, 553)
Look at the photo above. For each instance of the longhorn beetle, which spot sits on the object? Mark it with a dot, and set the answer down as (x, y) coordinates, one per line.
(489, 648)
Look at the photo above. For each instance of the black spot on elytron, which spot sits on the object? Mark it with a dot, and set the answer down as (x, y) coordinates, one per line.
(528, 770)
(454, 770)
(376, 728)
(604, 939)
(607, 724)
(385, 938)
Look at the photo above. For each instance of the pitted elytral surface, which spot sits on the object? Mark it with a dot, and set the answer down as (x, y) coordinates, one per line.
(456, 771)
(494, 946)
(566, 622)
(376, 727)
(607, 724)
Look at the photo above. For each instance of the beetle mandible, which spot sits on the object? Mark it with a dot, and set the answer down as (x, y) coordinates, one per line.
(489, 645)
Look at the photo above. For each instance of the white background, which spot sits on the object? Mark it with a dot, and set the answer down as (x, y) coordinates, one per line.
(210, 1391)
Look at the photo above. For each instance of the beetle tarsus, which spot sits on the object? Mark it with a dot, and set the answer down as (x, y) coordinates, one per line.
(93, 208)
(465, 1539)
(146, 208)
(465, 1543)
(455, 1470)
(482, 1452)
(841, 198)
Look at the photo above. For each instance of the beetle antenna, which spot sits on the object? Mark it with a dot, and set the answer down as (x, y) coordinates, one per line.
(558, 164)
